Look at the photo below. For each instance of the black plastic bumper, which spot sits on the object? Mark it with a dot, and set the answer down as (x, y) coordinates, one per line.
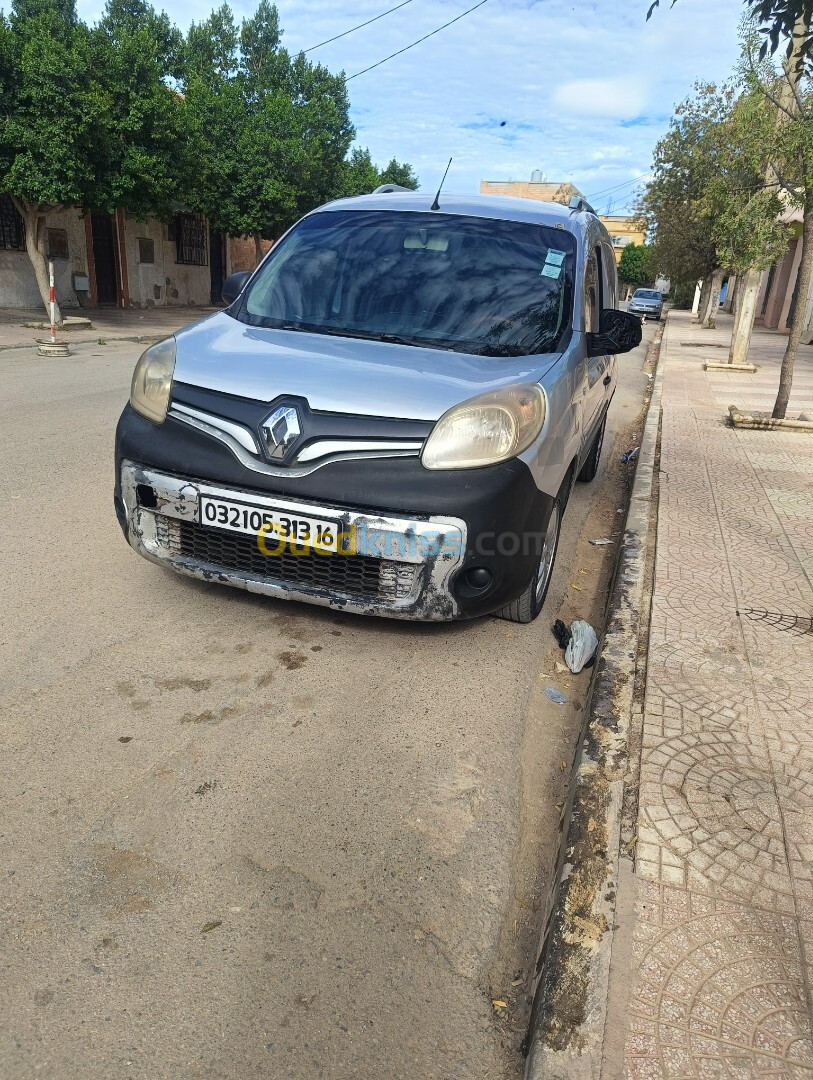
(505, 513)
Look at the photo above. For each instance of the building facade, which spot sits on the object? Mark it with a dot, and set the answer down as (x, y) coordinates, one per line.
(623, 230)
(121, 261)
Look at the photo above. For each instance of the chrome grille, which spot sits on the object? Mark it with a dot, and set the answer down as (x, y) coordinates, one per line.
(355, 575)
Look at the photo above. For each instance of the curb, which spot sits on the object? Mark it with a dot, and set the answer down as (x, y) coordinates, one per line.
(569, 1018)
(138, 338)
(765, 423)
(710, 366)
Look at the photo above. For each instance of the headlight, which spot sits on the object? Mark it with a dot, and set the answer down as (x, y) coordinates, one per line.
(152, 381)
(490, 428)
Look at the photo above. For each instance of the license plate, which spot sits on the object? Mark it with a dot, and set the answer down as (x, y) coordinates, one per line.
(277, 526)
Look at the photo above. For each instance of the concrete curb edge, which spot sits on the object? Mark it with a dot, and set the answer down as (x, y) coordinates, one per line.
(569, 1018)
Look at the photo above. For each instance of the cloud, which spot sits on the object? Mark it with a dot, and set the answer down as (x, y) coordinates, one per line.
(584, 89)
(601, 97)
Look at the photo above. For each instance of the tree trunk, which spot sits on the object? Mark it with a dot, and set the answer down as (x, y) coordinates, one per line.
(728, 303)
(34, 221)
(258, 249)
(710, 314)
(704, 297)
(746, 313)
(799, 312)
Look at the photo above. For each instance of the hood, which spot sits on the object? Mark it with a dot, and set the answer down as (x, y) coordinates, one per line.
(343, 375)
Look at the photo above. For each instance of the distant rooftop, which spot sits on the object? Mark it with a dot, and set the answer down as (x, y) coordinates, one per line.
(544, 190)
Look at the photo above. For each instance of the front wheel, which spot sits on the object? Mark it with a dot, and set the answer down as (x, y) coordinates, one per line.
(529, 603)
(590, 467)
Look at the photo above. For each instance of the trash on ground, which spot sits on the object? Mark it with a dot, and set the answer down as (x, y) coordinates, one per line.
(561, 668)
(582, 646)
(601, 543)
(630, 454)
(555, 695)
(578, 588)
(561, 633)
(498, 1003)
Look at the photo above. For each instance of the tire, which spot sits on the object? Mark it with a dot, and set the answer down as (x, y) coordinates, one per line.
(590, 467)
(529, 603)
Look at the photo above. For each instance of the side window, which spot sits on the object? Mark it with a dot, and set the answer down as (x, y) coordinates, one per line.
(592, 297)
(609, 277)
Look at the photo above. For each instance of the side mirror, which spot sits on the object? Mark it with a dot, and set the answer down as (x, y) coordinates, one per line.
(618, 332)
(234, 285)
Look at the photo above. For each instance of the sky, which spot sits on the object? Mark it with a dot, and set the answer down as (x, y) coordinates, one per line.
(580, 89)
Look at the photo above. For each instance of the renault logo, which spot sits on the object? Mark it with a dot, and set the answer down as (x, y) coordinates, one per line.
(281, 430)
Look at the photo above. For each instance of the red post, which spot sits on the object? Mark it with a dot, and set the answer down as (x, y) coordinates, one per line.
(52, 298)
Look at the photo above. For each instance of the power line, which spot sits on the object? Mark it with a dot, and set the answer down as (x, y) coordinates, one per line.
(327, 41)
(418, 42)
(606, 191)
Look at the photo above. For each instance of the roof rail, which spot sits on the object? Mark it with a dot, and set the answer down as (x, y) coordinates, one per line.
(388, 189)
(578, 202)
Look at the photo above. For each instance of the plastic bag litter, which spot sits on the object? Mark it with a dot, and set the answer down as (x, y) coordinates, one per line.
(555, 695)
(630, 454)
(600, 543)
(561, 633)
(583, 644)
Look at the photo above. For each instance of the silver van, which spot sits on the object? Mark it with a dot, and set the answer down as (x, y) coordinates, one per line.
(390, 414)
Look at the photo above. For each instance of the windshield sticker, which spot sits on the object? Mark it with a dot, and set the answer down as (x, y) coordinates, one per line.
(551, 271)
(555, 257)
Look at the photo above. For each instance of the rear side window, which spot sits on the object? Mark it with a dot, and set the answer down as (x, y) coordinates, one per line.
(609, 277)
(592, 294)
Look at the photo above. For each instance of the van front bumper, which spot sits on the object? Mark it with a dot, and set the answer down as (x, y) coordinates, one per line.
(447, 526)
(393, 566)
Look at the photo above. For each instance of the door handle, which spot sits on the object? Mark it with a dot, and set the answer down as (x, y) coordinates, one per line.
(607, 380)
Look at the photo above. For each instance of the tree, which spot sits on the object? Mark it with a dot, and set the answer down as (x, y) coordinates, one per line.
(779, 20)
(398, 172)
(271, 132)
(137, 54)
(708, 205)
(362, 176)
(636, 266)
(90, 120)
(789, 92)
(54, 108)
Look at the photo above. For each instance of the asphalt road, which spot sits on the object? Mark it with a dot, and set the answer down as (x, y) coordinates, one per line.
(245, 838)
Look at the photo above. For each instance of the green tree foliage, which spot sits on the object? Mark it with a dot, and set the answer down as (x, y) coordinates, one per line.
(53, 108)
(778, 19)
(637, 266)
(271, 131)
(129, 113)
(362, 176)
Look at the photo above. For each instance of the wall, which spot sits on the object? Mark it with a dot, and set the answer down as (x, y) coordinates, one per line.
(147, 281)
(18, 285)
(165, 282)
(242, 253)
(521, 189)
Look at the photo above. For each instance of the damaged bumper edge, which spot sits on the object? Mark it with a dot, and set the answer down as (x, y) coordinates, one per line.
(418, 559)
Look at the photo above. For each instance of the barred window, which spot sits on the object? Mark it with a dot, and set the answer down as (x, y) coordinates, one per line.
(56, 243)
(190, 239)
(12, 229)
(146, 250)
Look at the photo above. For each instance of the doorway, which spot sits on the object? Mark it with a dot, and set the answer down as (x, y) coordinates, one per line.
(217, 265)
(104, 258)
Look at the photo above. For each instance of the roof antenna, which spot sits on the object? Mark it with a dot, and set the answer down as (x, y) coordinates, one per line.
(436, 205)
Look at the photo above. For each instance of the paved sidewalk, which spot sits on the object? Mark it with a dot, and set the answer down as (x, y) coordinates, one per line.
(723, 930)
(127, 324)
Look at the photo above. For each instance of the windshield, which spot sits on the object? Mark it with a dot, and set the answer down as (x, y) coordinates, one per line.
(498, 288)
(646, 294)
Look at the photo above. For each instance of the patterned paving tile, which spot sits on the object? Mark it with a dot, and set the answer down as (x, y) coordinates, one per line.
(724, 857)
(719, 991)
